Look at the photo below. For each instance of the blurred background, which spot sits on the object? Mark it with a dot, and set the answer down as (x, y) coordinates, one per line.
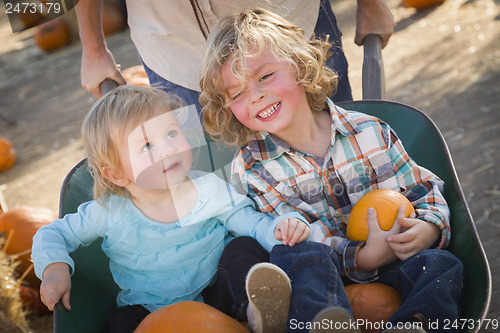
(443, 60)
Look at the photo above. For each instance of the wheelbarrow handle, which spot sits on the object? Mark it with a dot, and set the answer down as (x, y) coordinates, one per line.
(373, 68)
(107, 85)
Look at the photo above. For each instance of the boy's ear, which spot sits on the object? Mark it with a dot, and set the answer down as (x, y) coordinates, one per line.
(116, 177)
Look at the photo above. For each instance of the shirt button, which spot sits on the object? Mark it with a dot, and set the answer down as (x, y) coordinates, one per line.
(369, 170)
(328, 174)
(295, 189)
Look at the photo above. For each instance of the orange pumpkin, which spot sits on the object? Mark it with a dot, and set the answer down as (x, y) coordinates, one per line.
(189, 316)
(421, 4)
(7, 154)
(386, 204)
(30, 19)
(373, 303)
(136, 76)
(52, 35)
(30, 297)
(19, 225)
(113, 19)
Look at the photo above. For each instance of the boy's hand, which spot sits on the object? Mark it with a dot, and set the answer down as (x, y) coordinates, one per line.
(377, 252)
(291, 231)
(419, 235)
(56, 285)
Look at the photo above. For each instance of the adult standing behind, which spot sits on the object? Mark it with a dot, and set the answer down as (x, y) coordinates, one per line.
(170, 36)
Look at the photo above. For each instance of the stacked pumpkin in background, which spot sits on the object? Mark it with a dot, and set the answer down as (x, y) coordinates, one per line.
(58, 32)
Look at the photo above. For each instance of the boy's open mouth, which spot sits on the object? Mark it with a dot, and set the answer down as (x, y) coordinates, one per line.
(269, 111)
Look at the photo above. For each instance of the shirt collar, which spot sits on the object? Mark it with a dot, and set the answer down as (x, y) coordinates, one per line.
(266, 146)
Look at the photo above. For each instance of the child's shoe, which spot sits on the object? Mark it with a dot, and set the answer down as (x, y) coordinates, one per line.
(334, 319)
(269, 292)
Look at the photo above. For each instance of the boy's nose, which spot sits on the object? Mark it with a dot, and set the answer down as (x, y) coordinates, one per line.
(256, 94)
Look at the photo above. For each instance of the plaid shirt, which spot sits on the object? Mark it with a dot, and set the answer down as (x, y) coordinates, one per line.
(364, 154)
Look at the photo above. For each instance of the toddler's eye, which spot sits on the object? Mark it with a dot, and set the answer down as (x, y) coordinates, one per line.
(265, 76)
(147, 147)
(172, 134)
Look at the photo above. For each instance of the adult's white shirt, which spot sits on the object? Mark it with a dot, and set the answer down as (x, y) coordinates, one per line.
(169, 38)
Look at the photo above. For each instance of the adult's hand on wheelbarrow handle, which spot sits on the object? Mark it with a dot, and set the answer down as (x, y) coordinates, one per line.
(373, 68)
(107, 85)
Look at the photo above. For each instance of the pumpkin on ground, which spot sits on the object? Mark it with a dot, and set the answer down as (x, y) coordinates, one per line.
(136, 76)
(29, 18)
(18, 226)
(52, 34)
(373, 303)
(7, 154)
(113, 19)
(189, 316)
(385, 202)
(421, 4)
(30, 297)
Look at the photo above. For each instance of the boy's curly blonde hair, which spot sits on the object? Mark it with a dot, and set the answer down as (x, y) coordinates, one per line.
(237, 37)
(117, 112)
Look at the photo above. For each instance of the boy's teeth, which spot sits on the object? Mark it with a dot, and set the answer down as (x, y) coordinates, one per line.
(269, 112)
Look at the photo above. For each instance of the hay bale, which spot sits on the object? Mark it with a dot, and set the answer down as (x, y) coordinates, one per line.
(12, 316)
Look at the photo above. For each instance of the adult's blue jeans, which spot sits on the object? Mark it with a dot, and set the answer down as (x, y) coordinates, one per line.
(326, 25)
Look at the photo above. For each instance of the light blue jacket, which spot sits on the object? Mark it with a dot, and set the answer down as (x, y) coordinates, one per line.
(157, 264)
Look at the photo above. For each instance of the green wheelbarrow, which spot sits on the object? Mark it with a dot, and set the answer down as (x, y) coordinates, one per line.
(94, 292)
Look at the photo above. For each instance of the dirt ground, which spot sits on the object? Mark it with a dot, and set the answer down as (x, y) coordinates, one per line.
(444, 61)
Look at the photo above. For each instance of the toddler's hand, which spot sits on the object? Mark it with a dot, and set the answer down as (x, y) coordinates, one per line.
(56, 285)
(291, 231)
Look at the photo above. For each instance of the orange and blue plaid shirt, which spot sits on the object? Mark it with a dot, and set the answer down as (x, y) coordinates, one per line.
(364, 154)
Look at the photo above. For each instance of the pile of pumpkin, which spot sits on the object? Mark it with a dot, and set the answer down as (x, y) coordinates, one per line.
(19, 288)
(59, 31)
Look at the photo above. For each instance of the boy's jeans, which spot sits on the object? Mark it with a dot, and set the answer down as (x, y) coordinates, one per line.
(326, 25)
(430, 284)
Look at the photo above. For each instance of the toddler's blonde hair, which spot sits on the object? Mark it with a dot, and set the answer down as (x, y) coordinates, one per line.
(237, 37)
(110, 117)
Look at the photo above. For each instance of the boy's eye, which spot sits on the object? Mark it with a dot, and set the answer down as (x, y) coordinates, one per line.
(147, 147)
(172, 134)
(265, 76)
(238, 94)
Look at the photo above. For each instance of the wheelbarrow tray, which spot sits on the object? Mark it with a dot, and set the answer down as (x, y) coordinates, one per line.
(94, 292)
